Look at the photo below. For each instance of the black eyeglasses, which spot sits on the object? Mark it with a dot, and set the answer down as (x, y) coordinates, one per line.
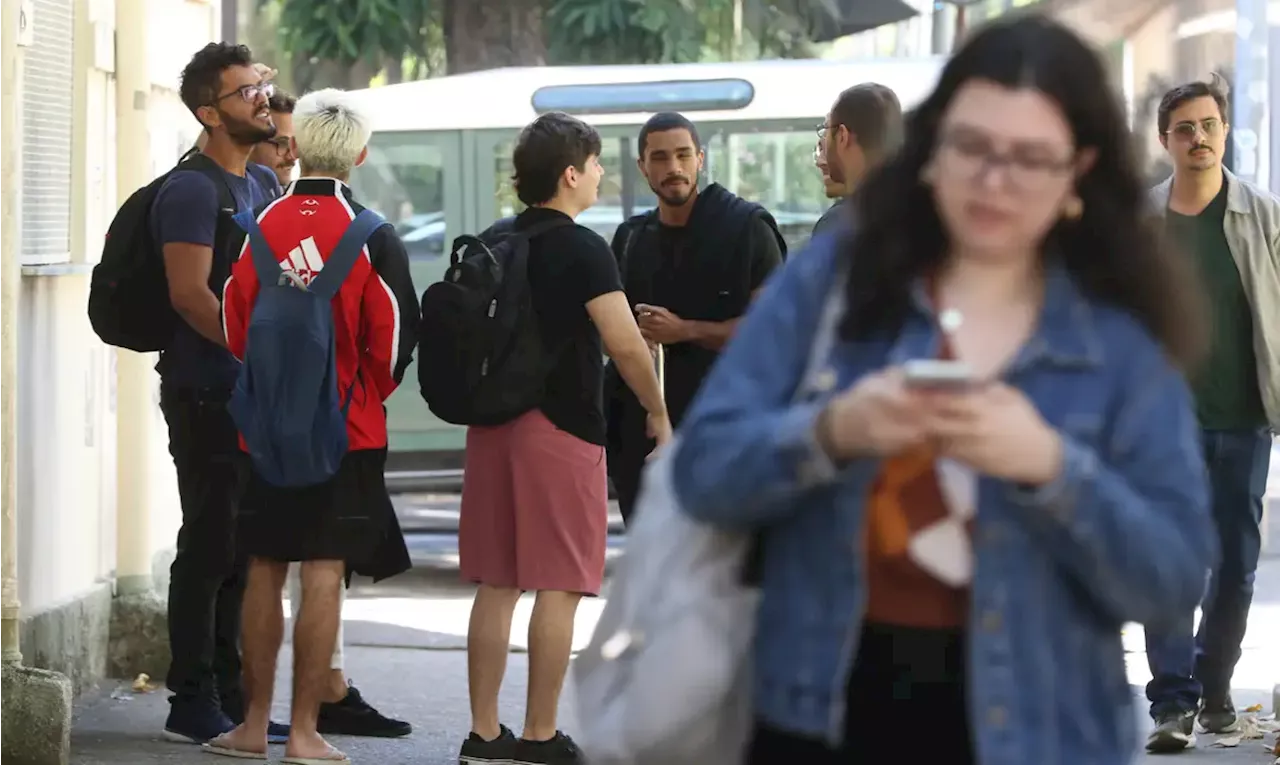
(281, 142)
(970, 156)
(249, 93)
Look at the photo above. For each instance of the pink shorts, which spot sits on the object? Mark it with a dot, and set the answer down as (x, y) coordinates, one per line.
(535, 508)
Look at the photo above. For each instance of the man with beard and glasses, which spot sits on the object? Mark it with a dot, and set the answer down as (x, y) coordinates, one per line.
(191, 220)
(863, 127)
(689, 268)
(1231, 229)
(277, 152)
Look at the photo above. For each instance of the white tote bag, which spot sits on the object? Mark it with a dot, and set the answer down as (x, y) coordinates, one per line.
(666, 678)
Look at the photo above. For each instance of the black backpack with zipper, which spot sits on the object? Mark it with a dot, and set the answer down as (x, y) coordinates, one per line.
(481, 357)
(128, 294)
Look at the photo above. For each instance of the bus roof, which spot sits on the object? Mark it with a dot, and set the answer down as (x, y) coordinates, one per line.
(503, 98)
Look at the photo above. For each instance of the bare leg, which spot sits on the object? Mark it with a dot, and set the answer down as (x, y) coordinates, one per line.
(314, 635)
(488, 642)
(550, 644)
(337, 686)
(262, 630)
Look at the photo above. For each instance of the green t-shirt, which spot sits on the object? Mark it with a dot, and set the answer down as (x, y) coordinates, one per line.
(1226, 386)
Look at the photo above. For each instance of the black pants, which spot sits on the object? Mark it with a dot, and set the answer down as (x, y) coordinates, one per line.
(902, 679)
(207, 579)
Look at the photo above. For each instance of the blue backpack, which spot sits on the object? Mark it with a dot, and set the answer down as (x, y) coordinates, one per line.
(286, 402)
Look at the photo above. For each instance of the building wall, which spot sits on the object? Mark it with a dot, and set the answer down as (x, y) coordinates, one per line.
(66, 430)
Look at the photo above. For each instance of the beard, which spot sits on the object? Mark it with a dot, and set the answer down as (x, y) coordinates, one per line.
(676, 195)
(247, 132)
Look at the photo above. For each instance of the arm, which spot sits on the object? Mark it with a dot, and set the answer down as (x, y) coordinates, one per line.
(612, 316)
(765, 257)
(238, 297)
(186, 211)
(1134, 527)
(745, 446)
(598, 285)
(389, 313)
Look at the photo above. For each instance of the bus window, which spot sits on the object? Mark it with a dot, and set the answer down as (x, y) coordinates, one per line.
(406, 178)
(775, 169)
(623, 191)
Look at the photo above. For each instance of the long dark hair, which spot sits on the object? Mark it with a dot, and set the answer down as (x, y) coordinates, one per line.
(1113, 251)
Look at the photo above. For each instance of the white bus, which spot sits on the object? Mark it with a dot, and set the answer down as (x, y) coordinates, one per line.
(440, 158)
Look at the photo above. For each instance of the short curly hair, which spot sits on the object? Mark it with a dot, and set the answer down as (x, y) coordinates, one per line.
(545, 149)
(202, 77)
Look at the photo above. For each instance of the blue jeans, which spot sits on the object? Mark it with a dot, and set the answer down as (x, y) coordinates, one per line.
(1186, 666)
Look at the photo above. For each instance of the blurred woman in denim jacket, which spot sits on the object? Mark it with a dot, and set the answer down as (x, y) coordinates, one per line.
(946, 568)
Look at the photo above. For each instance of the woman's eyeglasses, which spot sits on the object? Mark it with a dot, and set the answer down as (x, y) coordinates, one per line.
(1027, 168)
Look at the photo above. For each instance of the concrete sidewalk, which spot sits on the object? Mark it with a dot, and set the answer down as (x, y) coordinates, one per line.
(426, 687)
(404, 653)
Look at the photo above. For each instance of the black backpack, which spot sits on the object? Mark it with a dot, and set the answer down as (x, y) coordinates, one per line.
(128, 295)
(481, 359)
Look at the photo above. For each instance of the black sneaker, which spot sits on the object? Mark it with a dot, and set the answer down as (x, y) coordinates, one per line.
(499, 751)
(195, 721)
(560, 750)
(1174, 732)
(354, 717)
(1218, 714)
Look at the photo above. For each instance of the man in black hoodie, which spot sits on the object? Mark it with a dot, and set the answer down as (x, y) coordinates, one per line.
(690, 269)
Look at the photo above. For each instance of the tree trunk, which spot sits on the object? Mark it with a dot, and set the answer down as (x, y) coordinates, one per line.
(488, 34)
(325, 73)
(394, 68)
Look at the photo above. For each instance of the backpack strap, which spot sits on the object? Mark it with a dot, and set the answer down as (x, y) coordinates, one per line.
(265, 262)
(198, 161)
(343, 258)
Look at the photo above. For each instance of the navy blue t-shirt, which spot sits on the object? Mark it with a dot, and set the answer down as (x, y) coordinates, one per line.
(185, 211)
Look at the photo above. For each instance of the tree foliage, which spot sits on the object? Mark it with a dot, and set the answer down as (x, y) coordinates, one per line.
(673, 31)
(347, 43)
(355, 36)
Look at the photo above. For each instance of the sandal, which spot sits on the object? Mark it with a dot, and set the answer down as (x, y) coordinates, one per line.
(219, 746)
(332, 757)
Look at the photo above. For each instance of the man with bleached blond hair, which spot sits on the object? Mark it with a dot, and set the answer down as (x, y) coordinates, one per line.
(318, 238)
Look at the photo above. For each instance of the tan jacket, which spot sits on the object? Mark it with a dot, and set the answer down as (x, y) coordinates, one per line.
(1252, 226)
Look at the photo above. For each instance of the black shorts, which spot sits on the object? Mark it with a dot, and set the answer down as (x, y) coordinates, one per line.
(349, 518)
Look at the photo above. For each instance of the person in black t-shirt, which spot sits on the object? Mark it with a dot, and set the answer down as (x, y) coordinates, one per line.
(690, 269)
(534, 496)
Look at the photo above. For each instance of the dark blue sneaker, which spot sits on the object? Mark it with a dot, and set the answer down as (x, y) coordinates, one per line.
(277, 733)
(195, 721)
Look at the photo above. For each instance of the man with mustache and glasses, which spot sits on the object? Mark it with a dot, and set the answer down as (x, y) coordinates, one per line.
(689, 268)
(1231, 229)
(277, 152)
(191, 222)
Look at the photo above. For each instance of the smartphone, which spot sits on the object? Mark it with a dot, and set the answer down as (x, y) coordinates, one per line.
(936, 374)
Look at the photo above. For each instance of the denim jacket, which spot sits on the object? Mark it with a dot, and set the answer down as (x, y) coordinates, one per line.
(1123, 535)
